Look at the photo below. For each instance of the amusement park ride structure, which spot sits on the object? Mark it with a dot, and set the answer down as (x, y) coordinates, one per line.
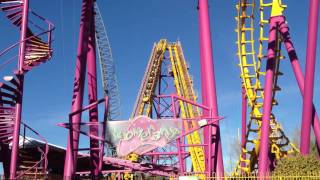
(166, 93)
(259, 146)
(177, 101)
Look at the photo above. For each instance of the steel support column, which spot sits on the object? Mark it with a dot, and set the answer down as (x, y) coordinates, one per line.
(208, 88)
(297, 70)
(102, 144)
(20, 76)
(307, 112)
(92, 91)
(79, 80)
(267, 101)
(178, 141)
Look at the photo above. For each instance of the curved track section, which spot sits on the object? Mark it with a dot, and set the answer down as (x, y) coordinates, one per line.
(252, 77)
(108, 75)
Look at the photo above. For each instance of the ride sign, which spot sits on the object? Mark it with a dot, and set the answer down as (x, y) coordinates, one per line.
(142, 134)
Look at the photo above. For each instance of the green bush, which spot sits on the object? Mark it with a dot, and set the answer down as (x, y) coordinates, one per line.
(298, 166)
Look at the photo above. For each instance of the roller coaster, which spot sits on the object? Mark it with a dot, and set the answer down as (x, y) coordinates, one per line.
(260, 100)
(170, 134)
(167, 61)
(252, 75)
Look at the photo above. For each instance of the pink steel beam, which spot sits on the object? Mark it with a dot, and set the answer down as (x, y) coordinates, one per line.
(243, 124)
(298, 72)
(307, 112)
(284, 30)
(88, 107)
(92, 91)
(174, 96)
(165, 153)
(20, 76)
(178, 141)
(105, 172)
(102, 144)
(156, 170)
(70, 126)
(73, 140)
(267, 101)
(208, 89)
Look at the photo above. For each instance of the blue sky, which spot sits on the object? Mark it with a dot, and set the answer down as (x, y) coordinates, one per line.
(133, 27)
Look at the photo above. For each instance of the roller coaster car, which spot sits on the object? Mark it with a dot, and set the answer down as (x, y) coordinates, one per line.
(133, 157)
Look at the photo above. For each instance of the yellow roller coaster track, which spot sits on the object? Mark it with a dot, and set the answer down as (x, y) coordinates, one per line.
(252, 78)
(184, 88)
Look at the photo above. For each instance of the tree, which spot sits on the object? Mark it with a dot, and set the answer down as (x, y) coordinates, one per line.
(298, 166)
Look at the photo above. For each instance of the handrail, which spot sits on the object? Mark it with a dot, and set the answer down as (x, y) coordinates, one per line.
(42, 18)
(43, 153)
(17, 43)
(8, 61)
